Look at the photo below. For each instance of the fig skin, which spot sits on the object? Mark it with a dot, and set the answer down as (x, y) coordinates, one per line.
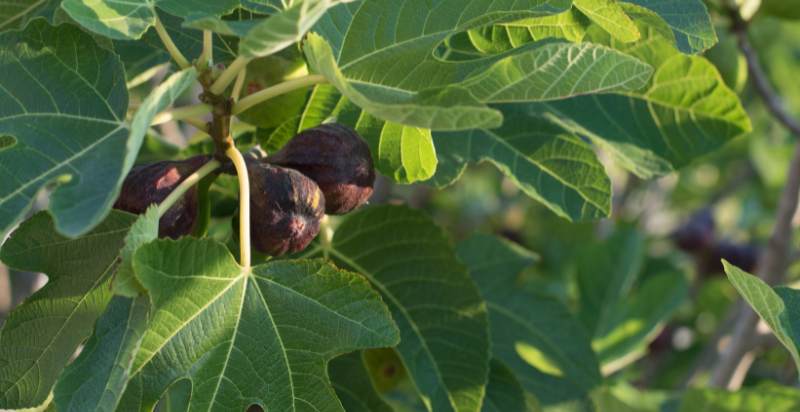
(152, 183)
(285, 209)
(335, 157)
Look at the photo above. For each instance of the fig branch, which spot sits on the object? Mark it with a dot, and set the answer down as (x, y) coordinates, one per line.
(187, 184)
(730, 370)
(173, 50)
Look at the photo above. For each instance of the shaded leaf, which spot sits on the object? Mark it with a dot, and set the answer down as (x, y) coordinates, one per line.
(96, 379)
(354, 386)
(535, 335)
(442, 319)
(40, 336)
(689, 21)
(65, 106)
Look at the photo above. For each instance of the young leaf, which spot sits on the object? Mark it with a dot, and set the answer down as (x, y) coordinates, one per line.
(609, 15)
(65, 106)
(570, 25)
(144, 230)
(40, 336)
(547, 163)
(354, 386)
(96, 379)
(435, 304)
(686, 111)
(242, 338)
(130, 20)
(779, 307)
(262, 37)
(535, 335)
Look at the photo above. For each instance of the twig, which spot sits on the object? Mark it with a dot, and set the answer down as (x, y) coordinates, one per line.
(180, 113)
(229, 75)
(775, 260)
(277, 90)
(170, 45)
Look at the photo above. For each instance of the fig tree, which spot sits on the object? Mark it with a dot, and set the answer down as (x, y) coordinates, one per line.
(285, 209)
(335, 157)
(151, 183)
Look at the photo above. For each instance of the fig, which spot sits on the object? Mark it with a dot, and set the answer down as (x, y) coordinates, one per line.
(285, 209)
(152, 183)
(743, 256)
(697, 234)
(335, 157)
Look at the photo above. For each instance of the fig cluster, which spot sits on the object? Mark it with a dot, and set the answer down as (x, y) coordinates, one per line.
(326, 169)
(698, 237)
(151, 183)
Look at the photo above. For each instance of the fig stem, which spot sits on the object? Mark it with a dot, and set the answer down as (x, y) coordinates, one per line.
(173, 50)
(207, 56)
(277, 90)
(244, 205)
(326, 235)
(229, 75)
(187, 184)
(180, 113)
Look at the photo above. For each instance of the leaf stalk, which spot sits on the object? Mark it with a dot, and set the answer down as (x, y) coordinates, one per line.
(277, 90)
(173, 50)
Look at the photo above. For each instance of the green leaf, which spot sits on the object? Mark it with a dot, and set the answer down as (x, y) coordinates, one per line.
(769, 397)
(262, 37)
(15, 14)
(41, 335)
(570, 25)
(162, 97)
(442, 318)
(243, 337)
(96, 379)
(686, 111)
(65, 106)
(620, 306)
(504, 393)
(354, 386)
(688, 19)
(444, 108)
(552, 166)
(609, 15)
(404, 153)
(536, 336)
(144, 230)
(397, 75)
(121, 20)
(779, 307)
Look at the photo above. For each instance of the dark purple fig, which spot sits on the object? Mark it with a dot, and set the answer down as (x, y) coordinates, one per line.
(285, 209)
(697, 234)
(743, 256)
(152, 183)
(335, 157)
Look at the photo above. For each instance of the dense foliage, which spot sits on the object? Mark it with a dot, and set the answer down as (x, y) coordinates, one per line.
(533, 150)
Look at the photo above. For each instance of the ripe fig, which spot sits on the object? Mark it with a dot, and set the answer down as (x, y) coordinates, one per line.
(743, 256)
(335, 157)
(285, 209)
(152, 183)
(697, 234)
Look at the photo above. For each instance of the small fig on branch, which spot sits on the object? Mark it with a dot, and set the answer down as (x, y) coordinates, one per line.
(152, 183)
(285, 209)
(335, 157)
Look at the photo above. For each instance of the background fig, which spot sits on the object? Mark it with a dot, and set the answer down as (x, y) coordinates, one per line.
(696, 235)
(285, 209)
(335, 157)
(152, 183)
